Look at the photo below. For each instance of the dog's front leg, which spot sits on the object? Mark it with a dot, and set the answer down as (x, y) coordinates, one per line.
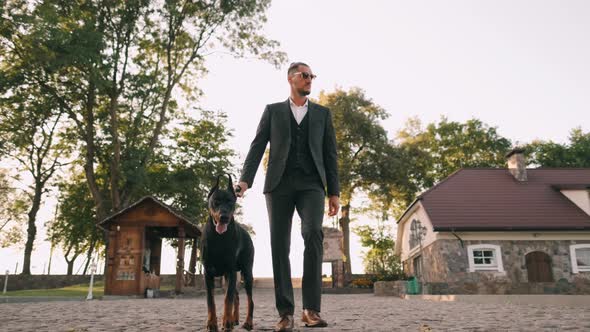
(211, 315)
(228, 322)
(236, 312)
(248, 282)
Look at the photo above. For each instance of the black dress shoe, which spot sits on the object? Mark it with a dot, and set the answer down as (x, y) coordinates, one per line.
(285, 324)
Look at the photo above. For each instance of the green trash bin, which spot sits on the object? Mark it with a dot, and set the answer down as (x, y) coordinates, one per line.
(413, 286)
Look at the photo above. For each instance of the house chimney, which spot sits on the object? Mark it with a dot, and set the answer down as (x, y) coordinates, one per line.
(516, 164)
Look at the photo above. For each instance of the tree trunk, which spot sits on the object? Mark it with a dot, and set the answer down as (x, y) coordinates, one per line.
(50, 258)
(71, 261)
(32, 229)
(71, 267)
(192, 265)
(101, 212)
(159, 125)
(345, 226)
(89, 256)
(116, 158)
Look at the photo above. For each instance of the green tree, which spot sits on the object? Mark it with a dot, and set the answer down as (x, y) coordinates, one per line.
(145, 56)
(380, 258)
(121, 67)
(199, 154)
(74, 229)
(12, 212)
(362, 142)
(396, 179)
(576, 153)
(29, 126)
(444, 147)
(184, 170)
(120, 70)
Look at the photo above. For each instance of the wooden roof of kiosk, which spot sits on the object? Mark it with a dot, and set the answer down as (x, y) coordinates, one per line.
(135, 245)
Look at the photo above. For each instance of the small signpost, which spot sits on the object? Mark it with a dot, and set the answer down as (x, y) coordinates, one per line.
(5, 282)
(92, 271)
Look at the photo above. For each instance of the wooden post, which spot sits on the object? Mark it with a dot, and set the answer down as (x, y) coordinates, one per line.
(91, 286)
(5, 282)
(180, 259)
(193, 263)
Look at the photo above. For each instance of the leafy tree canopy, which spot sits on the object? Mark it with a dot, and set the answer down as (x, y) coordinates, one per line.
(575, 153)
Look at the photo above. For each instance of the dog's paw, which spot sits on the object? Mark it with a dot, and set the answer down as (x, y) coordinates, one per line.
(228, 326)
(212, 327)
(248, 326)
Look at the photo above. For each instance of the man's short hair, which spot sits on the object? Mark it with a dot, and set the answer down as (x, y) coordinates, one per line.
(293, 67)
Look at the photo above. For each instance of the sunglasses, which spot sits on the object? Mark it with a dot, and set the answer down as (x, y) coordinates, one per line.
(305, 75)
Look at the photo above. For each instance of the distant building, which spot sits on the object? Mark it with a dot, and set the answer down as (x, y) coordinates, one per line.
(501, 231)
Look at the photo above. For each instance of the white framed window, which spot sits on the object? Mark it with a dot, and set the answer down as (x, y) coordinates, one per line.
(485, 257)
(580, 255)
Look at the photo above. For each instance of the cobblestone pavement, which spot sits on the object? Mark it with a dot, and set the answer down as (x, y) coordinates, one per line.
(364, 312)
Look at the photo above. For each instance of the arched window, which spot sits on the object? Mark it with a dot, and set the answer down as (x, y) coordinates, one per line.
(417, 233)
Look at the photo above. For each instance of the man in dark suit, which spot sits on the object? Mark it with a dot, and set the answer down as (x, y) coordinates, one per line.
(301, 166)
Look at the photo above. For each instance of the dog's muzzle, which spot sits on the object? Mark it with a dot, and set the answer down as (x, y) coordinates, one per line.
(221, 226)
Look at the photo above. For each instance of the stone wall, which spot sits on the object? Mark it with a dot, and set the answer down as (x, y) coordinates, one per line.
(446, 269)
(562, 286)
(399, 288)
(389, 288)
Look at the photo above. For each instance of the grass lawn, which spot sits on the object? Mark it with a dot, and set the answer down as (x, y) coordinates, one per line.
(80, 290)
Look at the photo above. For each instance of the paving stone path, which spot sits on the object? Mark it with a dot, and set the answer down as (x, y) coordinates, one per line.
(350, 312)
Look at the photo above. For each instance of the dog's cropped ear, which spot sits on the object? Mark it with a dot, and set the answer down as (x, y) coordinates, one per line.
(215, 187)
(230, 185)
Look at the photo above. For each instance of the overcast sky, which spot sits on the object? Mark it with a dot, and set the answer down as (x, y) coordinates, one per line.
(521, 66)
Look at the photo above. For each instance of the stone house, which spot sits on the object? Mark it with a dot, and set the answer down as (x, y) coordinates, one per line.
(500, 231)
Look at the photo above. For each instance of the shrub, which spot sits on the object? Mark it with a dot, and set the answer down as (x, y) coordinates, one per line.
(362, 283)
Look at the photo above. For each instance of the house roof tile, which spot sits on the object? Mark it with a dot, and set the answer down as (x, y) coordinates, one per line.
(492, 199)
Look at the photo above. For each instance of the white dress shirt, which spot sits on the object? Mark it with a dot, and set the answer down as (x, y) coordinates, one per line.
(298, 111)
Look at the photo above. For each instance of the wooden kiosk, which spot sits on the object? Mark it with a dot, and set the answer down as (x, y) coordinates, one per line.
(135, 246)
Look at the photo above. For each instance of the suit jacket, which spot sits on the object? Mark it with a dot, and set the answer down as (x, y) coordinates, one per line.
(275, 127)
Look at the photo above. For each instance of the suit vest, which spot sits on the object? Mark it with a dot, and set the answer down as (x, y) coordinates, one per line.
(299, 153)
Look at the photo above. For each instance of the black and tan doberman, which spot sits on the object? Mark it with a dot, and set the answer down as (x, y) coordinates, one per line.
(227, 248)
